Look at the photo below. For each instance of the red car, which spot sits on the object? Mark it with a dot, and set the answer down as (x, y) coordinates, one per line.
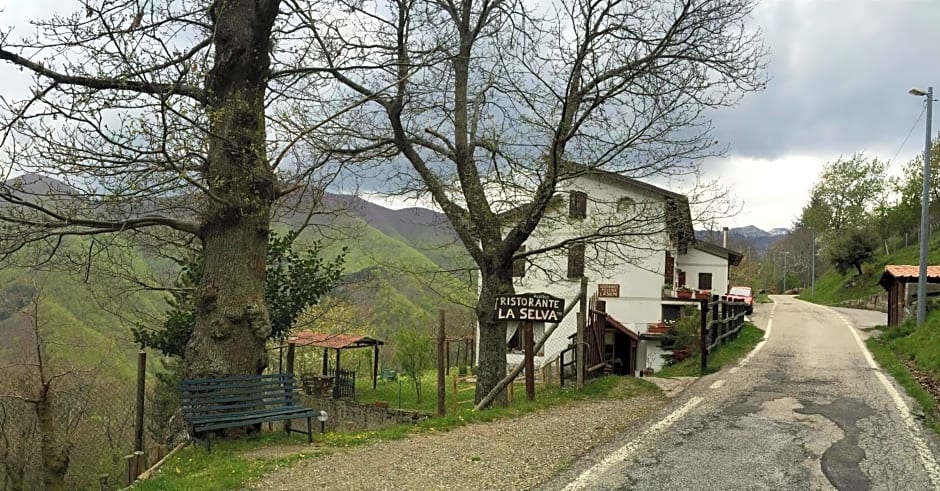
(742, 294)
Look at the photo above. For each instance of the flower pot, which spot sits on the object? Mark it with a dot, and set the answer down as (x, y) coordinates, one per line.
(683, 293)
(701, 295)
(659, 328)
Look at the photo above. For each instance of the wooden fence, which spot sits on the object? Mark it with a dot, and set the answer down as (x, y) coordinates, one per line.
(722, 320)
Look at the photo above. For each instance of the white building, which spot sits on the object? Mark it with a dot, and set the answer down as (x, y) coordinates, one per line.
(706, 266)
(645, 250)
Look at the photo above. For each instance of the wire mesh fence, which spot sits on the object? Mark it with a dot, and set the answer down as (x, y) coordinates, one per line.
(76, 428)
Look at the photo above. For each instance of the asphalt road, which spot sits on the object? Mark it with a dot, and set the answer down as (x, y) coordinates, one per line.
(806, 410)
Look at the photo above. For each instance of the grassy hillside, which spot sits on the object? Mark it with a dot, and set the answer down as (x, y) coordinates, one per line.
(912, 356)
(833, 287)
(390, 282)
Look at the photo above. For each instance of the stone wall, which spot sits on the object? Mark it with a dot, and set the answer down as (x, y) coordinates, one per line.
(352, 416)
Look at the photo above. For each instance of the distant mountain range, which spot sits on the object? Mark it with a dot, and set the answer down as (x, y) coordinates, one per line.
(745, 239)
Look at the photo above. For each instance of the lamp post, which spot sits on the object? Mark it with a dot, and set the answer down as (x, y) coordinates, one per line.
(785, 255)
(812, 267)
(924, 211)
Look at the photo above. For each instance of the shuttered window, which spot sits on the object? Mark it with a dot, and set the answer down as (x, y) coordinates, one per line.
(670, 269)
(704, 281)
(518, 265)
(575, 261)
(681, 278)
(577, 204)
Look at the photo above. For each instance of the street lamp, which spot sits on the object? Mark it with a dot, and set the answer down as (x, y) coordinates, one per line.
(322, 417)
(785, 255)
(924, 211)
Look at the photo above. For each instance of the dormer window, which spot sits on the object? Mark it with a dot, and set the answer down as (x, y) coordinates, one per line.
(577, 204)
(625, 205)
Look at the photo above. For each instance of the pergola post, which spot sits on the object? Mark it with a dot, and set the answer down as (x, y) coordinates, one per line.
(375, 364)
(326, 359)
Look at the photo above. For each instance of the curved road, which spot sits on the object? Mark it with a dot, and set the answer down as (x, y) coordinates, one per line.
(808, 409)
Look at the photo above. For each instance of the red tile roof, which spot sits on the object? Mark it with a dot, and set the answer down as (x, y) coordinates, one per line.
(907, 272)
(334, 341)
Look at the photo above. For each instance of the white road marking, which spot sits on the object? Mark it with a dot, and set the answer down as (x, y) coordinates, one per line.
(627, 450)
(757, 348)
(716, 384)
(926, 456)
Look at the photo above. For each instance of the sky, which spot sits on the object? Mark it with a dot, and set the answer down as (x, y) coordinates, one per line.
(839, 74)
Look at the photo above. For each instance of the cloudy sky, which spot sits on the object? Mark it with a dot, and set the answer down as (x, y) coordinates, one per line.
(839, 75)
(840, 71)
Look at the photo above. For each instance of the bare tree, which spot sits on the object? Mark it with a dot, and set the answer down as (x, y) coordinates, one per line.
(55, 407)
(488, 101)
(173, 123)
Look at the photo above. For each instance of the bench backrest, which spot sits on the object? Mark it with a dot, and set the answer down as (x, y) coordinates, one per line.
(236, 394)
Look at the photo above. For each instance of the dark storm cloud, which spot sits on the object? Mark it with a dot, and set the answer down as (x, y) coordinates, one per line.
(839, 74)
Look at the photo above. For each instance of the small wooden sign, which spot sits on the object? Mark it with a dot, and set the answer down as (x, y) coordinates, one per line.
(608, 290)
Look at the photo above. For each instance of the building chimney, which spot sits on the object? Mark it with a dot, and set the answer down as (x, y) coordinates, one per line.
(724, 237)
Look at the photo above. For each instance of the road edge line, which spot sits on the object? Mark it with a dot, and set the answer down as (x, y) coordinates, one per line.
(923, 451)
(624, 452)
(758, 346)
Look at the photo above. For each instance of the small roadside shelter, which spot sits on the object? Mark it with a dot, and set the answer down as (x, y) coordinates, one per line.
(336, 342)
(895, 280)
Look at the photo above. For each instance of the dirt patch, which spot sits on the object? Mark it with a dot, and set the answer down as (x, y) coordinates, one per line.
(517, 453)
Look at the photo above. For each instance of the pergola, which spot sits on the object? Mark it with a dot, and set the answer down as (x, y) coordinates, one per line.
(336, 342)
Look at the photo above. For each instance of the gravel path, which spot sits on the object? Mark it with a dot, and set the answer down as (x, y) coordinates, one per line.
(506, 454)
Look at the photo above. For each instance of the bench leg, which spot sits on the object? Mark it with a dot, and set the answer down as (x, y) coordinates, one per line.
(309, 430)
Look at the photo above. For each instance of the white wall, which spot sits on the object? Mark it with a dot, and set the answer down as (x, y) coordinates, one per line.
(637, 263)
(696, 261)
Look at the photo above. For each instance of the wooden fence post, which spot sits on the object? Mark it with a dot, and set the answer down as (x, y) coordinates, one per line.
(141, 382)
(529, 360)
(703, 336)
(582, 326)
(453, 396)
(724, 322)
(291, 355)
(441, 382)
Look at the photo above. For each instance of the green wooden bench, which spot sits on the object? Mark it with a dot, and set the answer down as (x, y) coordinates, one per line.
(210, 404)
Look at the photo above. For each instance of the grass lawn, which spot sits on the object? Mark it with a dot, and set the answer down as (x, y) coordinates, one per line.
(227, 467)
(402, 393)
(729, 353)
(763, 298)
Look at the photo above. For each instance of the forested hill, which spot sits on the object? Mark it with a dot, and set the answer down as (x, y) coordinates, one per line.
(393, 275)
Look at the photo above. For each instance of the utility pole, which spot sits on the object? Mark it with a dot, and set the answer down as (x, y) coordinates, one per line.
(924, 212)
(785, 254)
(812, 267)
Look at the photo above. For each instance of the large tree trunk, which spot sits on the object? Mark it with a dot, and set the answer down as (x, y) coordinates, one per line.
(492, 354)
(231, 317)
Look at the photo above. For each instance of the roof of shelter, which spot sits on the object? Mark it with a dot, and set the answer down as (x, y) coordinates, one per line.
(907, 272)
(334, 341)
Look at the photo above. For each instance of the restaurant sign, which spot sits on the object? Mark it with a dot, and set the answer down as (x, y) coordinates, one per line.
(608, 290)
(537, 307)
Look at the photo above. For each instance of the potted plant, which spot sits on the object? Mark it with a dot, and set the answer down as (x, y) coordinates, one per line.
(683, 292)
(702, 295)
(667, 290)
